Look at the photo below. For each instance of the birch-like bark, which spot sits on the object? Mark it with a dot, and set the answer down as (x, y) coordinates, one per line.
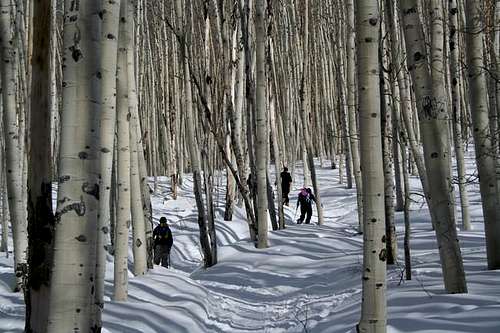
(138, 223)
(485, 156)
(108, 58)
(373, 306)
(13, 151)
(405, 98)
(456, 111)
(351, 111)
(40, 215)
(387, 137)
(433, 118)
(438, 72)
(123, 218)
(261, 135)
(71, 304)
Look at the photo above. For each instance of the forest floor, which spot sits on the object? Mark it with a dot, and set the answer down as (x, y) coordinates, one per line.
(308, 280)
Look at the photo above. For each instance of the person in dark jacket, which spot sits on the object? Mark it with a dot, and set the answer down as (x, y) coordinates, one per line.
(305, 201)
(163, 241)
(286, 182)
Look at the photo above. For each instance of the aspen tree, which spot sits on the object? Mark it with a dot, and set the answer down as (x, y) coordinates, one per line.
(433, 119)
(387, 137)
(261, 134)
(373, 306)
(13, 143)
(109, 47)
(407, 202)
(351, 104)
(123, 217)
(485, 156)
(456, 111)
(71, 303)
(406, 104)
(138, 223)
(40, 215)
(438, 72)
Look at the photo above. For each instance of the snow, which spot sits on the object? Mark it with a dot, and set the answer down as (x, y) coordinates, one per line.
(308, 280)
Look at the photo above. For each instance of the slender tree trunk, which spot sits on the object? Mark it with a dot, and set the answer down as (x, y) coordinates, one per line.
(73, 273)
(109, 49)
(387, 137)
(373, 307)
(13, 151)
(351, 104)
(40, 215)
(485, 156)
(407, 202)
(457, 113)
(261, 135)
(138, 222)
(123, 218)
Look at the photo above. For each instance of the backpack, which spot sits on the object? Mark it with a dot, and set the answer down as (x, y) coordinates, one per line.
(304, 196)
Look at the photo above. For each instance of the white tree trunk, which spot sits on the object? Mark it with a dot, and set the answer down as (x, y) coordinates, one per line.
(373, 306)
(485, 157)
(457, 113)
(13, 150)
(351, 111)
(108, 57)
(433, 118)
(123, 165)
(73, 274)
(138, 225)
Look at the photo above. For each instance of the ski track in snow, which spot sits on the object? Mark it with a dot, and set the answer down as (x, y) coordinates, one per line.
(308, 280)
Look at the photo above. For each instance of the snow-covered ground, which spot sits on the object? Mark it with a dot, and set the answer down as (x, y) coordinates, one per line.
(308, 280)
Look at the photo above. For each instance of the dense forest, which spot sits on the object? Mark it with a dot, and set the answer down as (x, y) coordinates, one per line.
(104, 102)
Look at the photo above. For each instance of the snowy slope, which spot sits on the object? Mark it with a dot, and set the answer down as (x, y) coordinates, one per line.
(308, 280)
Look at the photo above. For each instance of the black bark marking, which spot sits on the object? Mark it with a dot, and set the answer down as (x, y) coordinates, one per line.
(373, 21)
(138, 242)
(78, 207)
(91, 189)
(83, 155)
(382, 255)
(81, 238)
(76, 53)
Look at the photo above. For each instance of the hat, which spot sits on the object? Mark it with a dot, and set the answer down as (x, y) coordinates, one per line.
(163, 219)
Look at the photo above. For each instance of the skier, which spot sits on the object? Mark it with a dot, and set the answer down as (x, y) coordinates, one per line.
(163, 241)
(286, 182)
(305, 201)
